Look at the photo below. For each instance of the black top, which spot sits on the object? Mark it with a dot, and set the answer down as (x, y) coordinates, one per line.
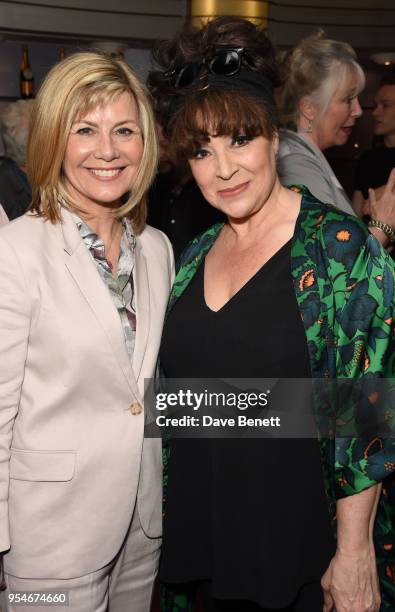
(181, 212)
(374, 168)
(248, 514)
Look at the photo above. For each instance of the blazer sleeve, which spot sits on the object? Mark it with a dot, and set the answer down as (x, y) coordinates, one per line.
(14, 332)
(297, 168)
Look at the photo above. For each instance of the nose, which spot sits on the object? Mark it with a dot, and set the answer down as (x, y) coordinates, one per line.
(105, 147)
(376, 111)
(356, 110)
(226, 168)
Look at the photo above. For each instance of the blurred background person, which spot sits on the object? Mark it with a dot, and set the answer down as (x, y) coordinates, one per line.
(375, 165)
(319, 107)
(176, 205)
(15, 191)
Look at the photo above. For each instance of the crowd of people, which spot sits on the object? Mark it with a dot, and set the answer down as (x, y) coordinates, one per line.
(279, 275)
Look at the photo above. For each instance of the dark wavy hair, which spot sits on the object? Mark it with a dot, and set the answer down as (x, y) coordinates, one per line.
(192, 45)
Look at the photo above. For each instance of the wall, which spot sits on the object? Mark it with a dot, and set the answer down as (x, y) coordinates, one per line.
(362, 23)
(144, 20)
(43, 55)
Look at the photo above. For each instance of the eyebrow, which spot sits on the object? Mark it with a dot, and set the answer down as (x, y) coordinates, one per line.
(93, 124)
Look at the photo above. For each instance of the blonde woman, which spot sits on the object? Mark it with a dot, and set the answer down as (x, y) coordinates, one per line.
(319, 107)
(83, 289)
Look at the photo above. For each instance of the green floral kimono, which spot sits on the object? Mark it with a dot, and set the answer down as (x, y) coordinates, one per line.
(344, 285)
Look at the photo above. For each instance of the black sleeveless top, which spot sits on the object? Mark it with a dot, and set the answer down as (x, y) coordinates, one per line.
(248, 514)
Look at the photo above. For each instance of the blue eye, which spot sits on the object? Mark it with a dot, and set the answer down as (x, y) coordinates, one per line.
(85, 131)
(124, 131)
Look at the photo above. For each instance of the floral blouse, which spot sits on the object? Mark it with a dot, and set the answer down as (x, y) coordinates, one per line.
(121, 287)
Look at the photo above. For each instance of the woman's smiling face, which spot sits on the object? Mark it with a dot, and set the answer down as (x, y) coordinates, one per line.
(236, 174)
(103, 153)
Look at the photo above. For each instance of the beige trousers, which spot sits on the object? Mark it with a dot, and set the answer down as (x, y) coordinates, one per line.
(125, 585)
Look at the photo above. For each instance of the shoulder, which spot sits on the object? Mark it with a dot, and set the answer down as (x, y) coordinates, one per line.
(199, 246)
(339, 243)
(26, 232)
(327, 218)
(156, 245)
(296, 157)
(154, 239)
(292, 143)
(330, 229)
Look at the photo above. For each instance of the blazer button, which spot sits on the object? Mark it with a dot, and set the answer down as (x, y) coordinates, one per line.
(135, 408)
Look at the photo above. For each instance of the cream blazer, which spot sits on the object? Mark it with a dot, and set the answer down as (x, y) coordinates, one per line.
(73, 459)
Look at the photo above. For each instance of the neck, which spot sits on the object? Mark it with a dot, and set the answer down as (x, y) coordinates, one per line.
(303, 125)
(281, 208)
(102, 221)
(312, 137)
(389, 140)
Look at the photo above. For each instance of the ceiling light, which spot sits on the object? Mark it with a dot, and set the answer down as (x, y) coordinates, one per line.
(385, 58)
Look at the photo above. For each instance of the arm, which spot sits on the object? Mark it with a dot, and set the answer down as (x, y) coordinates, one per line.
(358, 465)
(381, 206)
(350, 583)
(14, 330)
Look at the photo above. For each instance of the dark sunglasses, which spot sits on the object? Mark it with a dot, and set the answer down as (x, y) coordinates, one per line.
(224, 62)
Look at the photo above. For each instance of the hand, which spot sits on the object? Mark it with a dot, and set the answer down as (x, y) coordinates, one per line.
(350, 583)
(381, 202)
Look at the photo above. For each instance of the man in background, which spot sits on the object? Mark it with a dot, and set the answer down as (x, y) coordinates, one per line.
(376, 164)
(176, 205)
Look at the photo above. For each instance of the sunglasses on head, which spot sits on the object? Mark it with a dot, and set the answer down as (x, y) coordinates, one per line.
(224, 62)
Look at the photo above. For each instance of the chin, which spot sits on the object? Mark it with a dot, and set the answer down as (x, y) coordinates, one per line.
(342, 140)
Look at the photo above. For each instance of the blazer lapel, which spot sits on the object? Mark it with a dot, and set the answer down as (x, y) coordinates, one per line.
(80, 265)
(142, 301)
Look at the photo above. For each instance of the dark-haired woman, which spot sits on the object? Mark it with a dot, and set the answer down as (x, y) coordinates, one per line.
(287, 287)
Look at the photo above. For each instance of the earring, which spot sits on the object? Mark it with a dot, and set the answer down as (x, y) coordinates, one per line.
(309, 128)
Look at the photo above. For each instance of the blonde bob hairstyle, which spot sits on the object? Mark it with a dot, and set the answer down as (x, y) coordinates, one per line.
(72, 88)
(317, 67)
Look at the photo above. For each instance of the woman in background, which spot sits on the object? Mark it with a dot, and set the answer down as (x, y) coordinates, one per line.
(319, 103)
(83, 290)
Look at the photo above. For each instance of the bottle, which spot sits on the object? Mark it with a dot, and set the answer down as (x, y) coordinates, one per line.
(26, 78)
(62, 54)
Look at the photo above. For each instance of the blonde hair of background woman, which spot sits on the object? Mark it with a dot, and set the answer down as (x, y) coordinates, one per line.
(72, 88)
(316, 67)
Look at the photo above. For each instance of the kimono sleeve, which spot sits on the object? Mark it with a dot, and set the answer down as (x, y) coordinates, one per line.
(363, 277)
